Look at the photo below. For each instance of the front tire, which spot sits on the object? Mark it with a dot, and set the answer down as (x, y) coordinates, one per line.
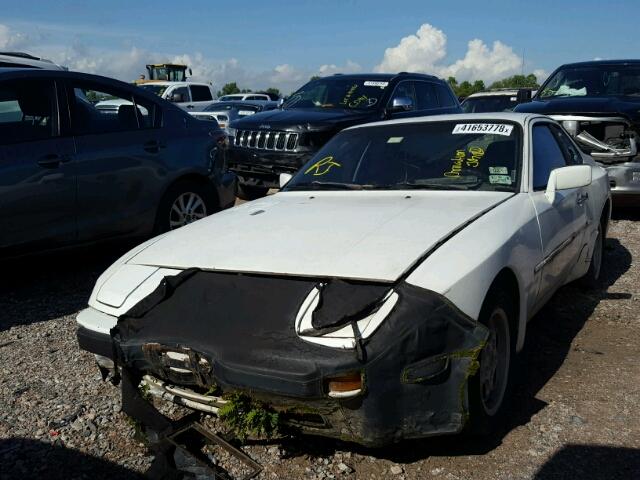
(490, 387)
(591, 279)
(251, 192)
(184, 203)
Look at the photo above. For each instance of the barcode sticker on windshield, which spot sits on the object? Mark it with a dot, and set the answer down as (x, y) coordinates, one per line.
(492, 128)
(246, 112)
(371, 83)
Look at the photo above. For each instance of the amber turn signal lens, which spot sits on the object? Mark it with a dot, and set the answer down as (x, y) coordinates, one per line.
(346, 383)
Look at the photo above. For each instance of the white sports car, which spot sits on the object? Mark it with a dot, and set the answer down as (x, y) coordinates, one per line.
(381, 295)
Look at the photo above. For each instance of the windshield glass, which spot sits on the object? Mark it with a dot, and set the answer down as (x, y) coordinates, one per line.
(339, 92)
(157, 89)
(498, 103)
(594, 81)
(231, 98)
(225, 107)
(460, 155)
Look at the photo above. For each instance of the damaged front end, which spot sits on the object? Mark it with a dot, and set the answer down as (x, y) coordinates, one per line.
(613, 142)
(363, 362)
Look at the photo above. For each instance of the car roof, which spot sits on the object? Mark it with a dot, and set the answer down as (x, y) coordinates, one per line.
(520, 118)
(167, 83)
(25, 60)
(28, 73)
(602, 62)
(494, 93)
(384, 76)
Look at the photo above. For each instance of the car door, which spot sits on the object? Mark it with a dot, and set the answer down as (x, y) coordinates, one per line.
(37, 171)
(560, 219)
(428, 101)
(119, 159)
(201, 98)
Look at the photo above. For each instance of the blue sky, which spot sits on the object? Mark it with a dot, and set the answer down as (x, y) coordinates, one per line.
(282, 43)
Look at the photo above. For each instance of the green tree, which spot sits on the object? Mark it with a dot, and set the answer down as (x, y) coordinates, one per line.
(315, 77)
(517, 81)
(228, 89)
(273, 91)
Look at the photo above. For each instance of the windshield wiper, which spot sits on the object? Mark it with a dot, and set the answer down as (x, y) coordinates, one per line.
(435, 186)
(318, 185)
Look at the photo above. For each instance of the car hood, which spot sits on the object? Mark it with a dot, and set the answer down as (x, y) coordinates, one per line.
(358, 235)
(299, 118)
(627, 106)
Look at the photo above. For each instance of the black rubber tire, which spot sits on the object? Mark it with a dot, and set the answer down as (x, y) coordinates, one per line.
(482, 421)
(174, 192)
(251, 192)
(591, 279)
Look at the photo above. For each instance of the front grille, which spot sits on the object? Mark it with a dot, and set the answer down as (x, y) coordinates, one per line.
(266, 140)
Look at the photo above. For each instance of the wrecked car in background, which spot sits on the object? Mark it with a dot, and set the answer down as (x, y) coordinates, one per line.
(598, 104)
(496, 100)
(381, 295)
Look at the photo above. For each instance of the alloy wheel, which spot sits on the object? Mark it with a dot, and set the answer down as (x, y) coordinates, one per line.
(494, 362)
(186, 208)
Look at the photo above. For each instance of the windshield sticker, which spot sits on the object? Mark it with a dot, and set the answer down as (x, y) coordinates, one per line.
(322, 166)
(462, 158)
(347, 98)
(500, 179)
(494, 128)
(246, 112)
(370, 83)
(395, 139)
(499, 170)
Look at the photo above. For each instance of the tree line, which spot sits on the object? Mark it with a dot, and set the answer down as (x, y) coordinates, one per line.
(463, 89)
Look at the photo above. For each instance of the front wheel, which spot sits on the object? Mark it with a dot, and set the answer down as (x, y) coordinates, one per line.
(184, 203)
(251, 192)
(592, 277)
(490, 387)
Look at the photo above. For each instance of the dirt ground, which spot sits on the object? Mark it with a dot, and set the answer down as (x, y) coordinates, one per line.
(575, 414)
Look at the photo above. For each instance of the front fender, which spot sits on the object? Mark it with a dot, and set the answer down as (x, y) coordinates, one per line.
(464, 268)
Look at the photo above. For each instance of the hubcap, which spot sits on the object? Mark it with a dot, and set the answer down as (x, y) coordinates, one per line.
(187, 208)
(494, 362)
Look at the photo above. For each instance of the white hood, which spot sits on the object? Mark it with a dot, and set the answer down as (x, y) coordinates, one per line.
(356, 234)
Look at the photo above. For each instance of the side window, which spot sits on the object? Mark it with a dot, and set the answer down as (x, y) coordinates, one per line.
(26, 111)
(445, 97)
(98, 109)
(183, 92)
(149, 113)
(425, 95)
(404, 89)
(200, 93)
(547, 156)
(571, 154)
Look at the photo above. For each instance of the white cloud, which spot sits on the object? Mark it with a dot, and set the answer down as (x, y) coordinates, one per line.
(11, 40)
(541, 75)
(426, 50)
(331, 69)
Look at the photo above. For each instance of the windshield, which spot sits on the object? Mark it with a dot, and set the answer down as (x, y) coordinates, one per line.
(460, 155)
(498, 103)
(157, 89)
(339, 92)
(231, 98)
(594, 81)
(242, 109)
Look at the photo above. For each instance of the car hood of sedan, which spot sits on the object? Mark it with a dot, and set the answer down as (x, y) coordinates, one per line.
(357, 234)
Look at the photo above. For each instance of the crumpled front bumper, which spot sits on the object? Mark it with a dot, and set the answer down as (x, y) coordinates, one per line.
(414, 369)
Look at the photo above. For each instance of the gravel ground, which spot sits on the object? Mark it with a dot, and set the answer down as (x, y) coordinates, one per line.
(575, 413)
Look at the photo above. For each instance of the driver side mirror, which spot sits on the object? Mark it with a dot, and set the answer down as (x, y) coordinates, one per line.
(565, 178)
(177, 98)
(400, 104)
(284, 179)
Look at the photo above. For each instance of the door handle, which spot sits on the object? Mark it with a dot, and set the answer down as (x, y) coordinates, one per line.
(582, 198)
(190, 106)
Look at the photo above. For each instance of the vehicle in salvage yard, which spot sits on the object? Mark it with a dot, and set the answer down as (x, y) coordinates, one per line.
(281, 141)
(598, 104)
(381, 295)
(72, 172)
(226, 112)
